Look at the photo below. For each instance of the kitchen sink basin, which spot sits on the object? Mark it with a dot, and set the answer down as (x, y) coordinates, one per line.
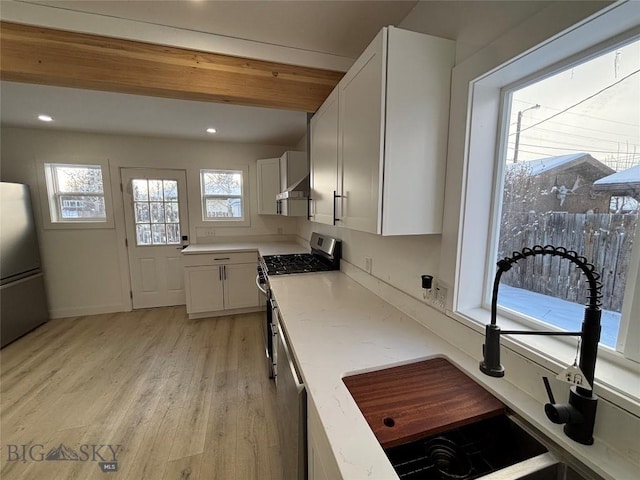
(465, 453)
(435, 423)
(555, 471)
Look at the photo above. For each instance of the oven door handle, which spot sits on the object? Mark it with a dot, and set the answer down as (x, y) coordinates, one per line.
(264, 292)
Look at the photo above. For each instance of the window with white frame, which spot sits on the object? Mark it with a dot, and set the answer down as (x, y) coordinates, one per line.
(551, 179)
(570, 178)
(75, 193)
(222, 195)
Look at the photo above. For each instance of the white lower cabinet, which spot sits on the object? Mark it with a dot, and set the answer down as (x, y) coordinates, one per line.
(321, 464)
(217, 284)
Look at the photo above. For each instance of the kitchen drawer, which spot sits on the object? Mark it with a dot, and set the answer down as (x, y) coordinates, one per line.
(219, 258)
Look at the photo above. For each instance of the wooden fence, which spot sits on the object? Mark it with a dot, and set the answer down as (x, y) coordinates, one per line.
(605, 240)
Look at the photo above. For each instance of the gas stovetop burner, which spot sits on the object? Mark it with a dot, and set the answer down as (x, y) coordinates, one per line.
(295, 263)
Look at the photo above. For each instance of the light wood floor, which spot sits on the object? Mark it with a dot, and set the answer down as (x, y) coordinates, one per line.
(186, 399)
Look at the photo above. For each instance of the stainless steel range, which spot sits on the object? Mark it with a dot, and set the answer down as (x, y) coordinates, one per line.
(324, 256)
(290, 390)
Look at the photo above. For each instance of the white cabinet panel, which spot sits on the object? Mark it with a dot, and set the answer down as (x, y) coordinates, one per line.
(324, 160)
(240, 289)
(361, 97)
(416, 132)
(204, 289)
(268, 185)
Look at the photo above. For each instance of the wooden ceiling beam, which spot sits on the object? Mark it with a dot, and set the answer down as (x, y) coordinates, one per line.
(46, 56)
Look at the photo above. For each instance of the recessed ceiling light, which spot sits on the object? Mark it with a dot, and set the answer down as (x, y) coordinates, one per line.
(45, 118)
(211, 130)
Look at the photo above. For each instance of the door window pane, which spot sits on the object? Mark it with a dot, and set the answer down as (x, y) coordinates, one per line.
(143, 234)
(140, 190)
(170, 190)
(156, 212)
(572, 180)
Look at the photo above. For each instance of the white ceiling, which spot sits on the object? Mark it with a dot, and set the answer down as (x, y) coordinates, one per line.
(106, 112)
(340, 27)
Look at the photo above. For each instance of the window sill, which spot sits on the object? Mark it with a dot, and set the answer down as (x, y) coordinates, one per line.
(616, 377)
(108, 224)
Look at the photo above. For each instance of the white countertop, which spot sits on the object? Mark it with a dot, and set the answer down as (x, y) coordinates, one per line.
(264, 248)
(344, 328)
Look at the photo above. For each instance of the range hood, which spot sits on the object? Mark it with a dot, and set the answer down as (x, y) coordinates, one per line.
(299, 190)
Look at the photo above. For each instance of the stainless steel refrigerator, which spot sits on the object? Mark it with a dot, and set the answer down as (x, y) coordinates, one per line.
(23, 300)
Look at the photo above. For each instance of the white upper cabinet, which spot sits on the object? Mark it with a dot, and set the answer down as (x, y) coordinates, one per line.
(268, 185)
(275, 175)
(324, 160)
(392, 137)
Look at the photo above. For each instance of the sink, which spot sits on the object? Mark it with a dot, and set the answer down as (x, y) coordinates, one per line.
(434, 422)
(556, 471)
(468, 452)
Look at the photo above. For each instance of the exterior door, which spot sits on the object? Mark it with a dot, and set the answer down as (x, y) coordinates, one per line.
(156, 220)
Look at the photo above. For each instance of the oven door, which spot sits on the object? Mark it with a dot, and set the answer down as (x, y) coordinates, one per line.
(269, 335)
(292, 413)
(267, 321)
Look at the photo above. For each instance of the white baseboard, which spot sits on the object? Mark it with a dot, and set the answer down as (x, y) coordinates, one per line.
(88, 310)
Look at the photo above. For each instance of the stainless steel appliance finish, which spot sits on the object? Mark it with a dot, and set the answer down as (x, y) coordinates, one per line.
(325, 255)
(292, 412)
(23, 303)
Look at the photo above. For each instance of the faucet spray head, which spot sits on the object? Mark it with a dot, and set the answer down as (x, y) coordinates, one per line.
(490, 365)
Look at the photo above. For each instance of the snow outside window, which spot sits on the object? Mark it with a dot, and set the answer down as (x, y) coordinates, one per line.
(570, 176)
(75, 193)
(222, 195)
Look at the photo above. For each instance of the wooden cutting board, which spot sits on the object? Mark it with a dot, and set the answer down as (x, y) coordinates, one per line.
(418, 400)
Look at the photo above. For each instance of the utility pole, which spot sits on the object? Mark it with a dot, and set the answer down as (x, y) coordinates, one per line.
(518, 126)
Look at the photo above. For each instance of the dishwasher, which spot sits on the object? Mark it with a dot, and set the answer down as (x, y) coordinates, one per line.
(292, 410)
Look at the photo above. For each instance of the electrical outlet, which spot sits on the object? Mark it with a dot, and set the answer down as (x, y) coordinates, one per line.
(368, 264)
(441, 296)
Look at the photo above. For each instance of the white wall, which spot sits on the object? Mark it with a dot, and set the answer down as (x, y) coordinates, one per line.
(86, 269)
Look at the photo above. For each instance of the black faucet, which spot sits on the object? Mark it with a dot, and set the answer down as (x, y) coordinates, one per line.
(578, 416)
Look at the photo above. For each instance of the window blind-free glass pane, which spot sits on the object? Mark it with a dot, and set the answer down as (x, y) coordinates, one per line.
(569, 174)
(223, 207)
(158, 234)
(142, 212)
(222, 182)
(156, 212)
(172, 212)
(173, 233)
(79, 179)
(82, 206)
(170, 190)
(143, 234)
(156, 191)
(140, 190)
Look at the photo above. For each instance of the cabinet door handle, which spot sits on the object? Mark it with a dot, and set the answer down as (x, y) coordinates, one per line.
(335, 197)
(224, 272)
(220, 273)
(222, 258)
